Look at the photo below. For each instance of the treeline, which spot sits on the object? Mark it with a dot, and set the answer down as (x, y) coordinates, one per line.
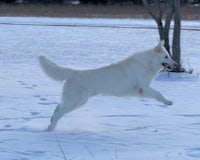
(134, 2)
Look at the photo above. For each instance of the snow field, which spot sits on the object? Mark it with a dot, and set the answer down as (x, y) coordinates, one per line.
(105, 128)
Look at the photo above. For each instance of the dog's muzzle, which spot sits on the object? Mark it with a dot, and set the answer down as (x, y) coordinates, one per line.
(169, 67)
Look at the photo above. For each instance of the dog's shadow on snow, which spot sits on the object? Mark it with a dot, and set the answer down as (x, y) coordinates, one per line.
(147, 103)
(163, 106)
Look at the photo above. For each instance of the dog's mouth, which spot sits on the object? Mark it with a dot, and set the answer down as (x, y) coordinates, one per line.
(166, 66)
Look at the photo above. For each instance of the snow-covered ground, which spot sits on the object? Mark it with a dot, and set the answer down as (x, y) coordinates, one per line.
(105, 128)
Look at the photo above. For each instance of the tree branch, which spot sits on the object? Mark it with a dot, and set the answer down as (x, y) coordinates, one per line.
(146, 5)
(158, 18)
(160, 9)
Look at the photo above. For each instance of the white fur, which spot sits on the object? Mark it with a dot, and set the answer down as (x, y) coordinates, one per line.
(130, 77)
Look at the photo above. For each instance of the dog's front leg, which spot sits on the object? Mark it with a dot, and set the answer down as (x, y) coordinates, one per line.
(152, 93)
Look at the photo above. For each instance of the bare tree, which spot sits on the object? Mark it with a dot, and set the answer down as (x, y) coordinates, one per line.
(176, 49)
(172, 9)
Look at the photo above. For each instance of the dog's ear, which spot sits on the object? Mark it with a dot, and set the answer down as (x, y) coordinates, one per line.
(162, 42)
(158, 47)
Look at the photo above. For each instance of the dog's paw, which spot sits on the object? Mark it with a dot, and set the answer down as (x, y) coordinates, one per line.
(168, 102)
(50, 128)
(46, 130)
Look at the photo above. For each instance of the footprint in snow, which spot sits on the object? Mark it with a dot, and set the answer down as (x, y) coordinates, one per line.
(142, 100)
(26, 85)
(40, 97)
(37, 96)
(7, 126)
(34, 113)
(44, 101)
(193, 152)
(48, 103)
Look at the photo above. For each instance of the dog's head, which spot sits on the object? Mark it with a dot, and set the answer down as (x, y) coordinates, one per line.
(165, 60)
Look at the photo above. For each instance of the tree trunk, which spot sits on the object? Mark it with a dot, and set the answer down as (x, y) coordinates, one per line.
(167, 25)
(174, 10)
(176, 36)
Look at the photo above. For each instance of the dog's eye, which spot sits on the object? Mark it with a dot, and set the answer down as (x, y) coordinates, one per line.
(166, 56)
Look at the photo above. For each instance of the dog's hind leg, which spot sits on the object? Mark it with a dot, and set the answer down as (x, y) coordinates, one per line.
(71, 99)
(61, 110)
(152, 93)
(56, 110)
(58, 113)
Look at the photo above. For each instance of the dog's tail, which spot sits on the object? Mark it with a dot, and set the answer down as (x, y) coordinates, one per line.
(53, 70)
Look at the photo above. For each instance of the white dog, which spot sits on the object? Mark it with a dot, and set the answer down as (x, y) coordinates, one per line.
(129, 77)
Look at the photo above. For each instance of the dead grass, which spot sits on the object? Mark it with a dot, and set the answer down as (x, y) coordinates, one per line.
(190, 13)
(91, 11)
